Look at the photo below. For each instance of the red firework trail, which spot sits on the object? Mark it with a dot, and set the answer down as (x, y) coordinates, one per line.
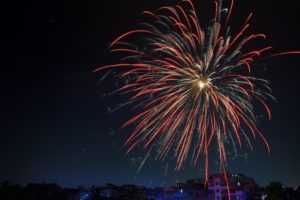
(194, 85)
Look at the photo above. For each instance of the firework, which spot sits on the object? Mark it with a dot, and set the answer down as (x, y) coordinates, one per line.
(193, 84)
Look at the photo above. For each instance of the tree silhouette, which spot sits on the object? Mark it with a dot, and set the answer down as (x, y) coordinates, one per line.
(275, 191)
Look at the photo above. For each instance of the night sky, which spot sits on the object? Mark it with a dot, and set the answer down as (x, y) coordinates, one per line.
(56, 124)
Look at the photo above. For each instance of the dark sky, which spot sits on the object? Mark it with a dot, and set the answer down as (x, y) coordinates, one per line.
(55, 122)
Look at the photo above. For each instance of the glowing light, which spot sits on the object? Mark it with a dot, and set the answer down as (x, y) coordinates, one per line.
(202, 84)
(179, 53)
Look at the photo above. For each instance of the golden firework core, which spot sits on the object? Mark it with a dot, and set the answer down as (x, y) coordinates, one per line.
(202, 84)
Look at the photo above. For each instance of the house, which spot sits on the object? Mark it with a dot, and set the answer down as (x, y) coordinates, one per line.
(220, 187)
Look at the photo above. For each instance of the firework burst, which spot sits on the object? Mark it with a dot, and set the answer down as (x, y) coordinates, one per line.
(194, 85)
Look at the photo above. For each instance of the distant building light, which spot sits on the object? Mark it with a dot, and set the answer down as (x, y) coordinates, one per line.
(84, 196)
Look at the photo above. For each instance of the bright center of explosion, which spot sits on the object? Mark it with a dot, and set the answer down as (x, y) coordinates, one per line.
(202, 84)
